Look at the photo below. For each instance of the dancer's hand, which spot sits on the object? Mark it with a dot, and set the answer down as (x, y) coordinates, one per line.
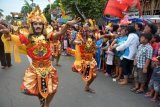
(3, 29)
(74, 21)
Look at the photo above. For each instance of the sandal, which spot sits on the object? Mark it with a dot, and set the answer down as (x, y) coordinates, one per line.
(139, 91)
(154, 100)
(118, 78)
(114, 76)
(90, 90)
(148, 95)
(4, 67)
(134, 89)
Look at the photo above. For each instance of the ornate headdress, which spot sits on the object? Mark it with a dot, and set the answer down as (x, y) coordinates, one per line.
(36, 16)
(16, 25)
(90, 24)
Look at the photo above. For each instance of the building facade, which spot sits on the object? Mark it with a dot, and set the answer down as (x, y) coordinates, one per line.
(150, 7)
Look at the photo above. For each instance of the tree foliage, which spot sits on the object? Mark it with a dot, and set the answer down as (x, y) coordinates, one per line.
(8, 18)
(90, 8)
(48, 10)
(27, 8)
(1, 13)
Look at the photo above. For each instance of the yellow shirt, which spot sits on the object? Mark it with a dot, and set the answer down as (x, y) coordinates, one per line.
(7, 44)
(18, 47)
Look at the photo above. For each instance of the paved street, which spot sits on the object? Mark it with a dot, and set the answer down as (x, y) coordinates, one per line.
(70, 92)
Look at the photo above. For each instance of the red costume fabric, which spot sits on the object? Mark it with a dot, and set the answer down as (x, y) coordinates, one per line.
(117, 7)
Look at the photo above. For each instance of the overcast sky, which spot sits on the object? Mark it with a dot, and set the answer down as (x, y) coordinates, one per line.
(15, 5)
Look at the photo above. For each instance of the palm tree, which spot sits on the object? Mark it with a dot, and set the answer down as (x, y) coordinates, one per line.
(1, 13)
(8, 18)
(27, 8)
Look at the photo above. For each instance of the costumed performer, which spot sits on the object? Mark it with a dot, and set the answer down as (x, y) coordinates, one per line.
(40, 78)
(85, 50)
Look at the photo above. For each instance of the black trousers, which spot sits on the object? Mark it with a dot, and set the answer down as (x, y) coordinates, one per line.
(126, 65)
(5, 59)
(109, 69)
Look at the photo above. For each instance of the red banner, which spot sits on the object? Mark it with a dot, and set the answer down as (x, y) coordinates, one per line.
(117, 7)
(133, 3)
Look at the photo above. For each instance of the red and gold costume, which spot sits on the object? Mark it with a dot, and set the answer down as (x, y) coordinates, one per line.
(40, 78)
(85, 63)
(55, 47)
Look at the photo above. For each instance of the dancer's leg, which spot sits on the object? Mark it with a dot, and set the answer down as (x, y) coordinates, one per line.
(46, 102)
(57, 60)
(49, 99)
(87, 87)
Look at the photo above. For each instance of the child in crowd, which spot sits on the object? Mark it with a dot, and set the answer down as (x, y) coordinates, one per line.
(155, 44)
(103, 56)
(154, 84)
(141, 62)
(119, 41)
(105, 45)
(99, 53)
(139, 28)
(109, 60)
(150, 28)
(66, 42)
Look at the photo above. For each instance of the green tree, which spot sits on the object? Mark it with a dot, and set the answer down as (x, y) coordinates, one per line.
(48, 10)
(32, 1)
(8, 18)
(90, 8)
(27, 8)
(1, 13)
